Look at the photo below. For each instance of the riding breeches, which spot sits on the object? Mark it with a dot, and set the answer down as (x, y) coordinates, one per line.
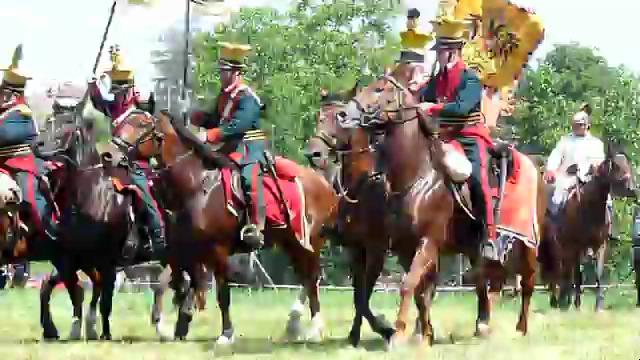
(149, 207)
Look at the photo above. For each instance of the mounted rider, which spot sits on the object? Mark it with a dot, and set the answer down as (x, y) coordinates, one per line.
(453, 97)
(18, 128)
(116, 96)
(234, 121)
(577, 149)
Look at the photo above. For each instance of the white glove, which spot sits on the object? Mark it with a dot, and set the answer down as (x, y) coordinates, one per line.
(202, 135)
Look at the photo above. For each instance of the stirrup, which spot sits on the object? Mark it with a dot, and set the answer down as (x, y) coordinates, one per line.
(489, 251)
(250, 235)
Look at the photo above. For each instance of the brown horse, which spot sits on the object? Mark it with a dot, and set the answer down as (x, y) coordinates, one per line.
(205, 216)
(583, 224)
(427, 214)
(362, 194)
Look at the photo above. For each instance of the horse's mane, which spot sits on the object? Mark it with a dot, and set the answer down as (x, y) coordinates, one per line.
(205, 152)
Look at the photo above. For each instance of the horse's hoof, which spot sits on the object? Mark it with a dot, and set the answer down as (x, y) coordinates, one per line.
(398, 339)
(105, 337)
(50, 335)
(76, 330)
(225, 340)
(91, 334)
(353, 339)
(179, 338)
(482, 330)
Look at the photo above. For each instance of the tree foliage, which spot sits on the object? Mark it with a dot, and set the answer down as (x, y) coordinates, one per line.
(298, 52)
(569, 75)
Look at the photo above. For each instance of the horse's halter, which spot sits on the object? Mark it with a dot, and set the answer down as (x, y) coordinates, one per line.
(150, 134)
(379, 115)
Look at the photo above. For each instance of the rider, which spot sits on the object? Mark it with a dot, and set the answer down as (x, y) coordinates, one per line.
(18, 128)
(579, 148)
(453, 96)
(234, 120)
(116, 96)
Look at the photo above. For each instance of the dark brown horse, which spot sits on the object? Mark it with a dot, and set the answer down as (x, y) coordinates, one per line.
(583, 224)
(428, 220)
(90, 203)
(346, 158)
(194, 173)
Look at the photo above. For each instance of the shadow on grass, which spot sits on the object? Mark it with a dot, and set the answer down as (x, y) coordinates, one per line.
(255, 346)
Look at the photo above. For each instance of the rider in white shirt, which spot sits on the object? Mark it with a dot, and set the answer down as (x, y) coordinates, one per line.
(577, 148)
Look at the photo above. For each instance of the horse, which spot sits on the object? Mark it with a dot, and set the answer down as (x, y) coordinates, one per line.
(346, 159)
(207, 206)
(90, 202)
(429, 210)
(583, 226)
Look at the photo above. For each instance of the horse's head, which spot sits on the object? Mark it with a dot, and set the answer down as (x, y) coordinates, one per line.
(329, 136)
(138, 135)
(617, 171)
(385, 102)
(12, 230)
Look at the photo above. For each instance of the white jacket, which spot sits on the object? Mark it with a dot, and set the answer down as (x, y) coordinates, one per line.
(580, 150)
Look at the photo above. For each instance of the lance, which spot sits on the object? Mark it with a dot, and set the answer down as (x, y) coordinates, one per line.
(81, 103)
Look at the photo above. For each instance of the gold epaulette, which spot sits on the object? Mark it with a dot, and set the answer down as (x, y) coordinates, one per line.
(24, 110)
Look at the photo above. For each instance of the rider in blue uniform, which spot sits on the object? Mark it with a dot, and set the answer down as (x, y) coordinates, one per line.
(116, 97)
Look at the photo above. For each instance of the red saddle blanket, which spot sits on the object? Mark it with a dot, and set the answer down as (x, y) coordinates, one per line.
(518, 212)
(286, 171)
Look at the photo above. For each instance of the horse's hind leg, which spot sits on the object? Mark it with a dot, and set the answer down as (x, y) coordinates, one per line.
(600, 259)
(577, 283)
(106, 301)
(46, 321)
(527, 277)
(91, 319)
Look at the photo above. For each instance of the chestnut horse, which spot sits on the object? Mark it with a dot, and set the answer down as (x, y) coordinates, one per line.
(583, 225)
(194, 173)
(426, 212)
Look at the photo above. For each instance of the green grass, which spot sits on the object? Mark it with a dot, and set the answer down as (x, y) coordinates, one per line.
(260, 318)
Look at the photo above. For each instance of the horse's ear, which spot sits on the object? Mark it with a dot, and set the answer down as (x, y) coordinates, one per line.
(354, 91)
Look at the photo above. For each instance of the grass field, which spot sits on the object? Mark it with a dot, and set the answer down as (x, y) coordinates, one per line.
(260, 317)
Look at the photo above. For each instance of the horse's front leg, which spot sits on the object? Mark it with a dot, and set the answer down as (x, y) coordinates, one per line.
(358, 277)
(424, 299)
(224, 301)
(423, 260)
(159, 289)
(46, 321)
(375, 263)
(527, 278)
(106, 300)
(76, 294)
(91, 319)
(577, 283)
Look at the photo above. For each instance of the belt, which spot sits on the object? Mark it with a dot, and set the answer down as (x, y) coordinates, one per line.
(15, 150)
(472, 118)
(254, 135)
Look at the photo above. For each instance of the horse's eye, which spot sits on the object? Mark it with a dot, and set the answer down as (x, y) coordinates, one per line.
(342, 115)
(378, 89)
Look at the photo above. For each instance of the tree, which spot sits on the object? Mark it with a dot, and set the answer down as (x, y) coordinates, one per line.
(298, 52)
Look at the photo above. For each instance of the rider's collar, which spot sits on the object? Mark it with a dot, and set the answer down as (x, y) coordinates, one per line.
(233, 86)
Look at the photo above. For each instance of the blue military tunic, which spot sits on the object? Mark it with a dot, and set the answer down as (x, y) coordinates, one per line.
(18, 129)
(237, 118)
